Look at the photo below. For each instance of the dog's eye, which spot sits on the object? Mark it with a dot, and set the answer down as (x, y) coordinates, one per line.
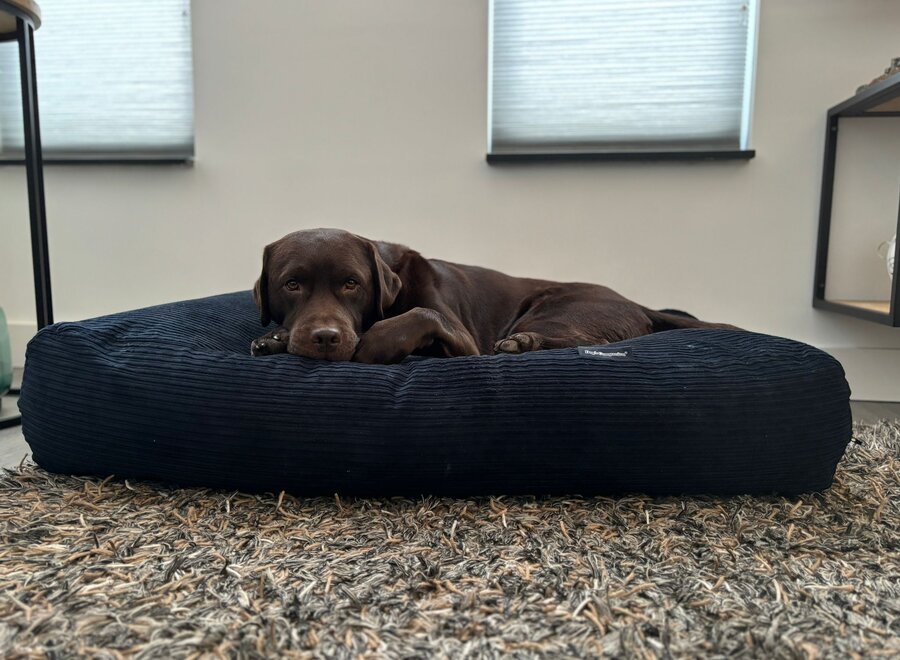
(292, 285)
(351, 283)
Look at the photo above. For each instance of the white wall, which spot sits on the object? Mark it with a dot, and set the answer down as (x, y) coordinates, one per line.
(371, 116)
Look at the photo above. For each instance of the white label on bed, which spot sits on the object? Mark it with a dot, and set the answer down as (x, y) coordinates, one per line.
(606, 353)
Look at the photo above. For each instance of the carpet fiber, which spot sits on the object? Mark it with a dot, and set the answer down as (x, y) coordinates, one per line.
(115, 569)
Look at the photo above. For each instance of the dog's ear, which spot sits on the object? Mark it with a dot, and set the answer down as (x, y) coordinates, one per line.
(261, 291)
(386, 282)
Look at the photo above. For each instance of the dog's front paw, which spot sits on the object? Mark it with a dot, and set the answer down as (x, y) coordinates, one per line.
(270, 344)
(520, 342)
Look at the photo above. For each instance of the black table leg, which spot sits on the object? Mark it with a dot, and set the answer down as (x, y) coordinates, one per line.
(34, 170)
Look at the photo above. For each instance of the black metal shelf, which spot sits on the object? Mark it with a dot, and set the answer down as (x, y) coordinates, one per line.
(879, 100)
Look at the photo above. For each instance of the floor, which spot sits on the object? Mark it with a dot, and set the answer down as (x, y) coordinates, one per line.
(13, 447)
(873, 411)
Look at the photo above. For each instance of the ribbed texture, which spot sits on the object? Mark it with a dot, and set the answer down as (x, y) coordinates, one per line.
(171, 393)
(114, 77)
(600, 75)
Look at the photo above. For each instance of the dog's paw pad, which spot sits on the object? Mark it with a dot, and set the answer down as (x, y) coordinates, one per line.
(521, 342)
(507, 346)
(259, 347)
(270, 344)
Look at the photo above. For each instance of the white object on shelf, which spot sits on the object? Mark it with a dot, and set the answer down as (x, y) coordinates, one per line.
(886, 251)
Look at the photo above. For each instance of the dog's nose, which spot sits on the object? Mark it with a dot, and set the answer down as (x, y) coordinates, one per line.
(326, 338)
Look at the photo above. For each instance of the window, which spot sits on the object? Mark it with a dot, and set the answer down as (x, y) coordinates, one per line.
(114, 81)
(617, 77)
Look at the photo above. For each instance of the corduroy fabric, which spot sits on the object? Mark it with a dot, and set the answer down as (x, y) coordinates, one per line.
(171, 393)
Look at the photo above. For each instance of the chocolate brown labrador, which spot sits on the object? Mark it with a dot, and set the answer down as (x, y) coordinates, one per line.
(338, 296)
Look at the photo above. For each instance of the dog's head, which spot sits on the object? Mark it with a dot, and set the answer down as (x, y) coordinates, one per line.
(325, 287)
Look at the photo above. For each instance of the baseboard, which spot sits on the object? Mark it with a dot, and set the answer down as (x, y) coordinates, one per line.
(873, 373)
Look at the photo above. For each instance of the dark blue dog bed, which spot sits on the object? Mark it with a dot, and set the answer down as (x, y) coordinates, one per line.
(171, 393)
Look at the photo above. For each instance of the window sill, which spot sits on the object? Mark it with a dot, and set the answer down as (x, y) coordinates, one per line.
(104, 160)
(501, 159)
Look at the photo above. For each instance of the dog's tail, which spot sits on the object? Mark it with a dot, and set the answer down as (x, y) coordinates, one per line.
(675, 319)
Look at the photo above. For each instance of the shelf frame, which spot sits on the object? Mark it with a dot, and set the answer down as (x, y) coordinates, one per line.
(864, 104)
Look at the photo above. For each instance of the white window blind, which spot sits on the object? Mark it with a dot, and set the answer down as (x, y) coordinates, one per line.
(114, 81)
(620, 75)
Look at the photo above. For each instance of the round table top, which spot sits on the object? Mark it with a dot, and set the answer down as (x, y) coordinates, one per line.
(10, 9)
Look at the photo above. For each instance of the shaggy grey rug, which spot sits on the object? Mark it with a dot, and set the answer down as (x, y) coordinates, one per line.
(115, 569)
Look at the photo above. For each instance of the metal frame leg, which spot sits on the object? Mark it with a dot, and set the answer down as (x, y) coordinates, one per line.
(34, 171)
(825, 203)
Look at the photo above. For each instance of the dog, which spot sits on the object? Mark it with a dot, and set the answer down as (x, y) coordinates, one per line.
(338, 296)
